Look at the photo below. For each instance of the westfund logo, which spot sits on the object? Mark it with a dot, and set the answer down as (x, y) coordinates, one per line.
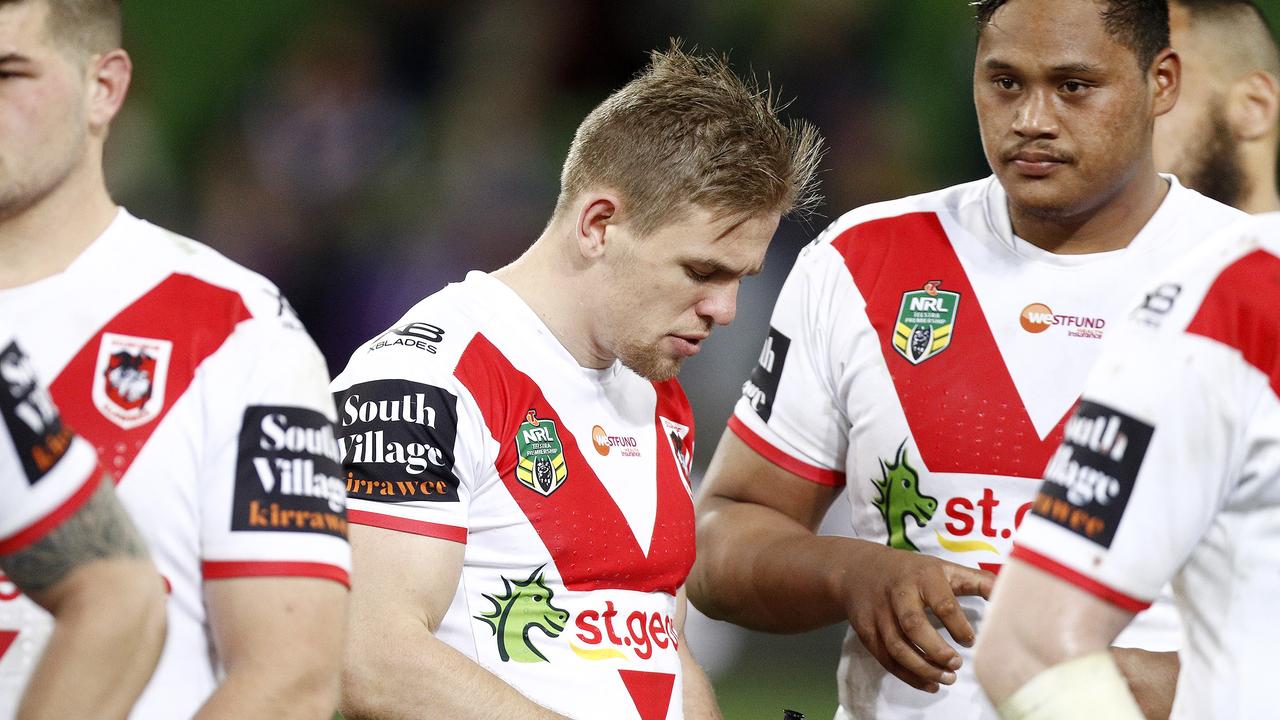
(39, 437)
(288, 476)
(1090, 477)
(397, 441)
(760, 389)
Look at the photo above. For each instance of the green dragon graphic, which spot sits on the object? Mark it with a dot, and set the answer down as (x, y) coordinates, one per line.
(900, 497)
(523, 606)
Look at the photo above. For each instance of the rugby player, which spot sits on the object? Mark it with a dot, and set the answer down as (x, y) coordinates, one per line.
(517, 447)
(202, 394)
(925, 353)
(66, 542)
(1167, 471)
(1223, 135)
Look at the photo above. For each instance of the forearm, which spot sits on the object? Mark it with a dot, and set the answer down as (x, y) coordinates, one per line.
(1151, 676)
(699, 696)
(280, 693)
(407, 673)
(121, 628)
(760, 569)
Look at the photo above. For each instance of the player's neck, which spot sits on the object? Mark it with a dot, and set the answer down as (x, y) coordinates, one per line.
(552, 285)
(1260, 168)
(42, 239)
(1109, 226)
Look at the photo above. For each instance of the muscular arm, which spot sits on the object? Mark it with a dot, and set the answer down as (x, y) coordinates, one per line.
(280, 639)
(394, 667)
(1036, 622)
(93, 574)
(699, 696)
(761, 565)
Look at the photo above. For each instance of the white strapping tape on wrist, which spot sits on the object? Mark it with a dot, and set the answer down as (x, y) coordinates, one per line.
(1089, 687)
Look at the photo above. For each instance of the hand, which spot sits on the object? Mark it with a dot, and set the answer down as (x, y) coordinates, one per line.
(886, 598)
(1152, 677)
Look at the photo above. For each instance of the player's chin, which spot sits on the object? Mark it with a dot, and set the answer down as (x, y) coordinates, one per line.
(655, 367)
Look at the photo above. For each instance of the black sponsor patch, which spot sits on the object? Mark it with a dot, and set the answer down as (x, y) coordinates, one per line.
(289, 473)
(1157, 304)
(417, 335)
(39, 437)
(763, 385)
(397, 439)
(1091, 475)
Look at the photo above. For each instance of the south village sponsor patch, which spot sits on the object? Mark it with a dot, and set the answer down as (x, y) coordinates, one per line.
(288, 473)
(1090, 477)
(397, 441)
(39, 437)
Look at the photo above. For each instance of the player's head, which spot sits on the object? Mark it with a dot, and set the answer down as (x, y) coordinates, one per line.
(63, 77)
(1224, 127)
(1066, 93)
(671, 191)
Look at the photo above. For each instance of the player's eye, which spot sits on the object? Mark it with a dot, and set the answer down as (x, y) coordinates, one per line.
(1005, 83)
(695, 275)
(1072, 87)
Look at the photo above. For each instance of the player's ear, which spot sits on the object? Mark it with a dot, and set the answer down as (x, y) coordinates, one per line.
(597, 211)
(108, 83)
(1165, 80)
(1253, 105)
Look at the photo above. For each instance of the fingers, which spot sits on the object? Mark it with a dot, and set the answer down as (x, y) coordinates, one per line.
(908, 608)
(942, 601)
(969, 581)
(923, 674)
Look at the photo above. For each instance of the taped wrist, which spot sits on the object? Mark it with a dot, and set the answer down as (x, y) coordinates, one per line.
(1087, 687)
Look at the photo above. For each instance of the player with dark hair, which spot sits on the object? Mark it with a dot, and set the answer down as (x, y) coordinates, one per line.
(66, 542)
(204, 397)
(1223, 135)
(924, 356)
(517, 448)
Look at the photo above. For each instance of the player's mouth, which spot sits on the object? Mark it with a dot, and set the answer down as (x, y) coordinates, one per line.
(688, 344)
(1036, 163)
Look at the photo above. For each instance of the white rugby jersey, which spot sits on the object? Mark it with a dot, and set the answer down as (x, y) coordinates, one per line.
(47, 472)
(1170, 468)
(208, 402)
(925, 357)
(469, 421)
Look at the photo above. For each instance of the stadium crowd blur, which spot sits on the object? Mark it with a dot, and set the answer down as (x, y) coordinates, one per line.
(364, 153)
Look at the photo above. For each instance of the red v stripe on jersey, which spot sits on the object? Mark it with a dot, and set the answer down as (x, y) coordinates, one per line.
(587, 535)
(1239, 311)
(196, 316)
(650, 691)
(6, 639)
(964, 410)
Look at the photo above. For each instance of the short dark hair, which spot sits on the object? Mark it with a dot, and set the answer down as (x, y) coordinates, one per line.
(1140, 25)
(689, 130)
(89, 26)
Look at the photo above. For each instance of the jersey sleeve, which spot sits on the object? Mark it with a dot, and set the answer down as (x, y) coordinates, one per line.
(413, 440)
(1147, 461)
(789, 411)
(47, 472)
(273, 499)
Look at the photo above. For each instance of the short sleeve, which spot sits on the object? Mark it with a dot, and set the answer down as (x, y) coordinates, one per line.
(789, 411)
(47, 472)
(413, 442)
(1147, 462)
(272, 496)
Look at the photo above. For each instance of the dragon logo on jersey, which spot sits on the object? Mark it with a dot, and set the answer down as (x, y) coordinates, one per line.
(926, 320)
(900, 498)
(129, 378)
(541, 467)
(523, 606)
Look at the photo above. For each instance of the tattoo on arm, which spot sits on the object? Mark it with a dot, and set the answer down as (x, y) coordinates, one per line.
(98, 531)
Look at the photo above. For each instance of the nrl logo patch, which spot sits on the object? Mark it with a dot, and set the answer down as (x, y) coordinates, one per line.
(129, 378)
(541, 467)
(925, 322)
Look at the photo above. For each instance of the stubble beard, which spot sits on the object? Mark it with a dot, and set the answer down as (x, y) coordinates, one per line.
(649, 362)
(1214, 168)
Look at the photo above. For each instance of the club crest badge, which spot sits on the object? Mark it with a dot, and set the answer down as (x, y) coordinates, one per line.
(926, 322)
(541, 467)
(676, 434)
(129, 378)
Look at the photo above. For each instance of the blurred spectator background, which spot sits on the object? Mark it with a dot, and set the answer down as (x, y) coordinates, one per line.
(364, 153)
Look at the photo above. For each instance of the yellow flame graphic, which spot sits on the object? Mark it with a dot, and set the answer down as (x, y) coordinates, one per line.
(960, 546)
(601, 654)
